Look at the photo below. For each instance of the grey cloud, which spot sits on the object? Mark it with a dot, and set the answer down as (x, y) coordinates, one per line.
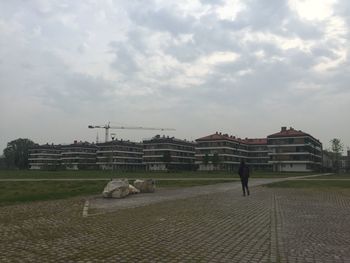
(44, 76)
(162, 20)
(299, 59)
(213, 2)
(342, 8)
(274, 16)
(303, 29)
(208, 36)
(137, 39)
(323, 51)
(138, 34)
(186, 52)
(263, 15)
(124, 59)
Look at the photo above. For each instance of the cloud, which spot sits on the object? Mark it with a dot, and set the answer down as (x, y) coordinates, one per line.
(196, 65)
(170, 21)
(125, 61)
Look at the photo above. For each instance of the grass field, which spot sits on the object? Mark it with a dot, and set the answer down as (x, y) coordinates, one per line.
(26, 174)
(19, 192)
(312, 184)
(334, 176)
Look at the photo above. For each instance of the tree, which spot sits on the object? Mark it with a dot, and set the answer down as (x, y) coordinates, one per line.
(17, 152)
(2, 162)
(348, 159)
(336, 150)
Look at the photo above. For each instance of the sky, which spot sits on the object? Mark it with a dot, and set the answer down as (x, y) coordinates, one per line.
(245, 68)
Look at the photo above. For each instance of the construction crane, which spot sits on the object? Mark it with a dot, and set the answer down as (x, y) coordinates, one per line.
(108, 126)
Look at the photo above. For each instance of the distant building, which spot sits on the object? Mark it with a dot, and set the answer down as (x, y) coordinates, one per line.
(291, 150)
(286, 150)
(224, 152)
(345, 162)
(78, 156)
(220, 152)
(257, 157)
(167, 153)
(45, 157)
(120, 155)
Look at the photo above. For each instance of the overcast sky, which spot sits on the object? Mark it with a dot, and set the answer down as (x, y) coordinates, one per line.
(240, 67)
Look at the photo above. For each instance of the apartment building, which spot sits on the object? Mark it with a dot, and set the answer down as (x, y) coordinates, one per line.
(293, 150)
(220, 152)
(257, 158)
(45, 157)
(168, 153)
(120, 155)
(286, 150)
(78, 156)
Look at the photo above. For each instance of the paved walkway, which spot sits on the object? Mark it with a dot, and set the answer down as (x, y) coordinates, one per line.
(108, 179)
(271, 225)
(98, 205)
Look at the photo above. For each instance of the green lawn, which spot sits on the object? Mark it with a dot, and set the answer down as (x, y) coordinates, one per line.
(312, 184)
(334, 176)
(23, 174)
(18, 192)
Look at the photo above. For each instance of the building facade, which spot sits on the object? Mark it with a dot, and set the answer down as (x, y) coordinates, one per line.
(45, 157)
(291, 150)
(220, 152)
(288, 150)
(167, 153)
(224, 152)
(120, 155)
(258, 158)
(78, 156)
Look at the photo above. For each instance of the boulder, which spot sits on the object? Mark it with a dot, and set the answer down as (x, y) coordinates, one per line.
(145, 186)
(133, 189)
(116, 188)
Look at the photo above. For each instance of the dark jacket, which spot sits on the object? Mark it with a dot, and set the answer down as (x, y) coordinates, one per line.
(243, 171)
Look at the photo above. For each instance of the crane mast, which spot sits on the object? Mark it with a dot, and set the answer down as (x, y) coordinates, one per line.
(108, 126)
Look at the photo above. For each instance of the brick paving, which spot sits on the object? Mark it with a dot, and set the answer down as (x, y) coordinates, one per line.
(271, 225)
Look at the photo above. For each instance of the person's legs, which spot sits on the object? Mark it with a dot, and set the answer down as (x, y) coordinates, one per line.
(243, 186)
(246, 186)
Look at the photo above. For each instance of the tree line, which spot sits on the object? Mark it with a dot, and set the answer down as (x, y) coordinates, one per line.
(16, 154)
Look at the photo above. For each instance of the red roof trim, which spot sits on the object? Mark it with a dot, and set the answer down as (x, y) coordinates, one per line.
(291, 133)
(218, 137)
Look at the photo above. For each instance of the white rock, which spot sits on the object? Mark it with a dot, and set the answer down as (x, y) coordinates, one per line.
(117, 188)
(145, 186)
(133, 189)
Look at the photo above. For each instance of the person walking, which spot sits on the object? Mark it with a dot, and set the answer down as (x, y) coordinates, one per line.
(243, 172)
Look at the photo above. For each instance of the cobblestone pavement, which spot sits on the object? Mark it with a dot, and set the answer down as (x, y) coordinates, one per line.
(98, 205)
(271, 225)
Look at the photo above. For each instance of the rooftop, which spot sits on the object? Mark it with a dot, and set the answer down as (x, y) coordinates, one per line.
(167, 139)
(220, 136)
(291, 132)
